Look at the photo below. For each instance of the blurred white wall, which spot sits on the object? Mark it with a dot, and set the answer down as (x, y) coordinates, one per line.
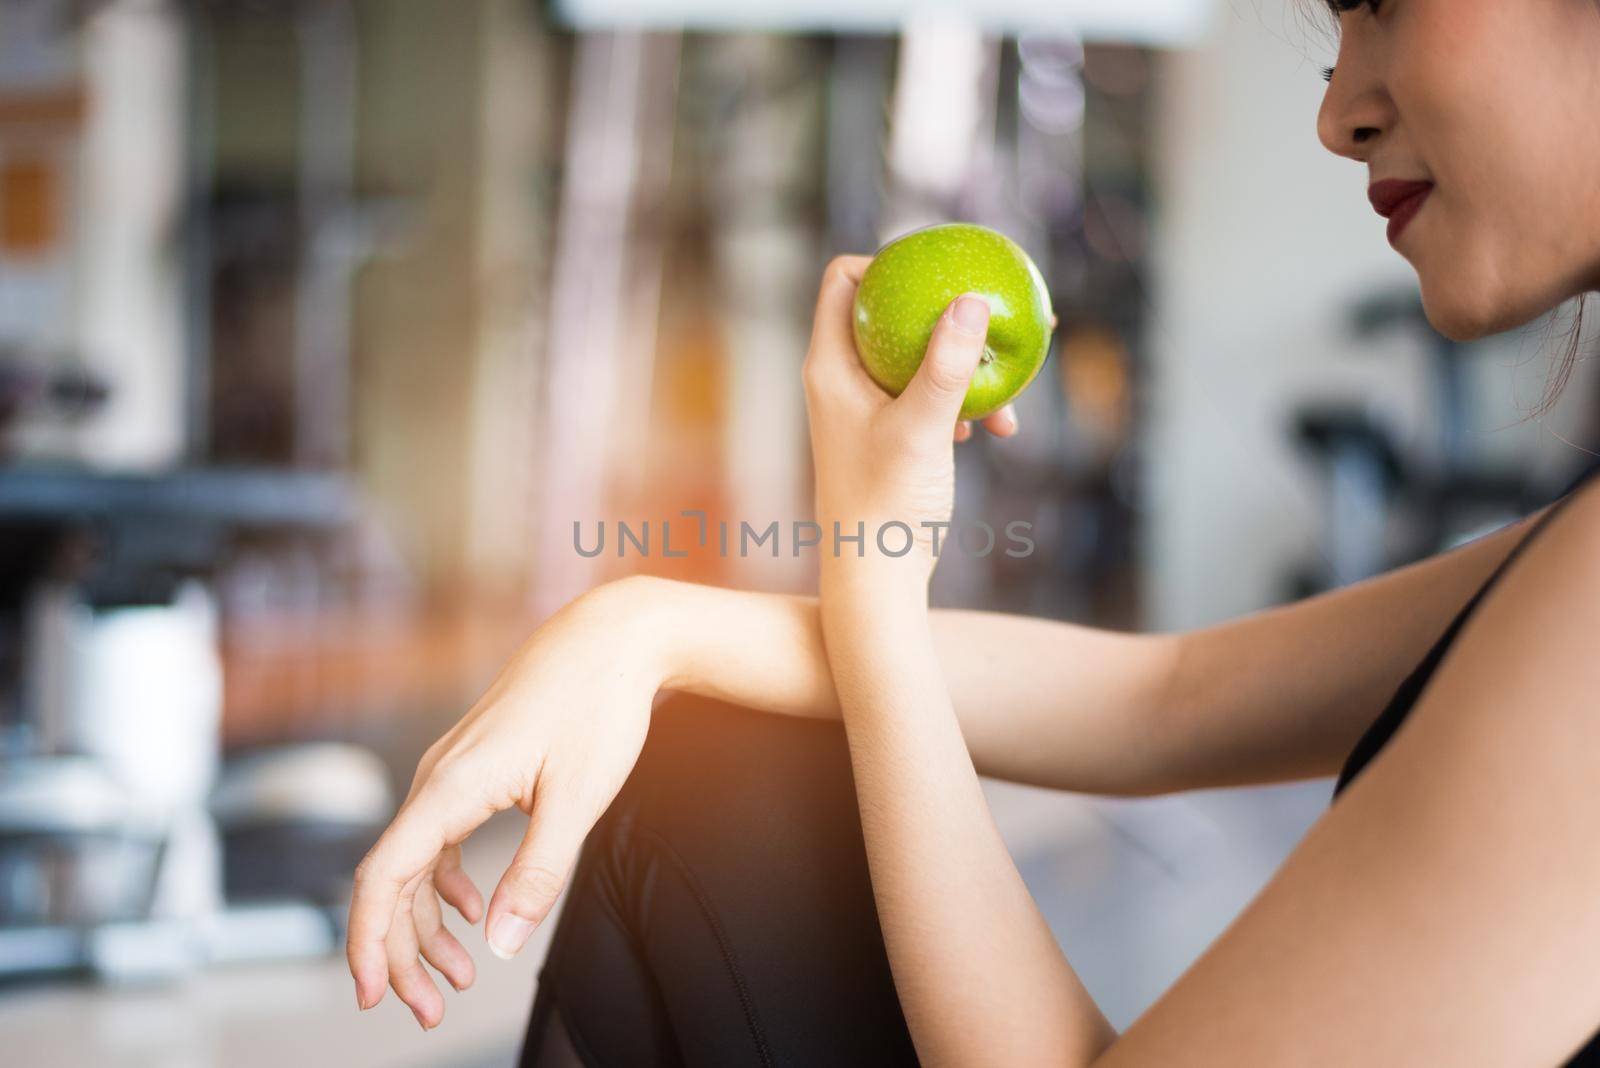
(130, 307)
(1261, 240)
(1145, 21)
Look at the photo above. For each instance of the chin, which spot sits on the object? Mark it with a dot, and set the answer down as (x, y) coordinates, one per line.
(1454, 322)
(1472, 291)
(1465, 313)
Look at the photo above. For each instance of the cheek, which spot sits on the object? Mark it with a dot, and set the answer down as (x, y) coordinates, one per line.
(1464, 263)
(1500, 114)
(1482, 272)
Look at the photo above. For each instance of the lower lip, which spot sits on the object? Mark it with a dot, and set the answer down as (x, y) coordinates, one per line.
(1403, 214)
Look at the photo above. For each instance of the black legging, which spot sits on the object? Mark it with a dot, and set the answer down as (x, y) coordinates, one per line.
(721, 911)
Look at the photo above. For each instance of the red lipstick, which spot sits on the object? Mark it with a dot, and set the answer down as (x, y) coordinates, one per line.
(1398, 201)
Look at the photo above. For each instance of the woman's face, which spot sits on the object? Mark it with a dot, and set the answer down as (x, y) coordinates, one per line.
(1497, 103)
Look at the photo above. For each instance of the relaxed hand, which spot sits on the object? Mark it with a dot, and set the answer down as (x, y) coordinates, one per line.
(555, 736)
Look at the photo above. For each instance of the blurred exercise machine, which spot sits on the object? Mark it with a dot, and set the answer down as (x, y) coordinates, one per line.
(127, 849)
(1439, 490)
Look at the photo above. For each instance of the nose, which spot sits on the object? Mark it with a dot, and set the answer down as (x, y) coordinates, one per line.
(1356, 110)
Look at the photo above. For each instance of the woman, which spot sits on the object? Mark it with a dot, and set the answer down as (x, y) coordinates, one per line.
(776, 889)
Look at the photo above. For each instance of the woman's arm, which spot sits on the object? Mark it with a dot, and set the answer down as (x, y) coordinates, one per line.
(1442, 912)
(1277, 695)
(978, 972)
(1285, 693)
(1027, 717)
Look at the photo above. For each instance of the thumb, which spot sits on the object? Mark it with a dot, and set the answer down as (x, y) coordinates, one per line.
(538, 872)
(940, 385)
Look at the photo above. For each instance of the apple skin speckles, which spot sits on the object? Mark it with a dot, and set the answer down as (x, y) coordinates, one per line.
(911, 281)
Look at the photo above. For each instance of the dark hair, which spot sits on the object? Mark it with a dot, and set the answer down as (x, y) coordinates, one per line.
(1561, 374)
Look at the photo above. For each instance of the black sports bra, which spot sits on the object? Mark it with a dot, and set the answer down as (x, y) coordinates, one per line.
(1394, 715)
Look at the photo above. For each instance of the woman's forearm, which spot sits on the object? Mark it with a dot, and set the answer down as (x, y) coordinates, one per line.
(980, 976)
(1028, 707)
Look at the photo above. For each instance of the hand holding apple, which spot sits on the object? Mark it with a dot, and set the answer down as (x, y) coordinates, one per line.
(878, 459)
(913, 279)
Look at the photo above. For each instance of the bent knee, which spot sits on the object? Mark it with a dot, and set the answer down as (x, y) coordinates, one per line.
(714, 777)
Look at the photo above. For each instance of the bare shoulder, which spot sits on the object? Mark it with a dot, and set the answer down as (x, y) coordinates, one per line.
(1574, 526)
(1441, 912)
(1528, 655)
(1552, 585)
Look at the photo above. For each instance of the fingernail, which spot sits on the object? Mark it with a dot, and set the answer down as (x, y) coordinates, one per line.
(971, 314)
(420, 1021)
(508, 935)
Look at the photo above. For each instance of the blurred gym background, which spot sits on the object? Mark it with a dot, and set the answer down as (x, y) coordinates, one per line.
(322, 323)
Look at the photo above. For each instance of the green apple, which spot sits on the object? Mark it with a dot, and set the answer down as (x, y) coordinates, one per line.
(911, 281)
